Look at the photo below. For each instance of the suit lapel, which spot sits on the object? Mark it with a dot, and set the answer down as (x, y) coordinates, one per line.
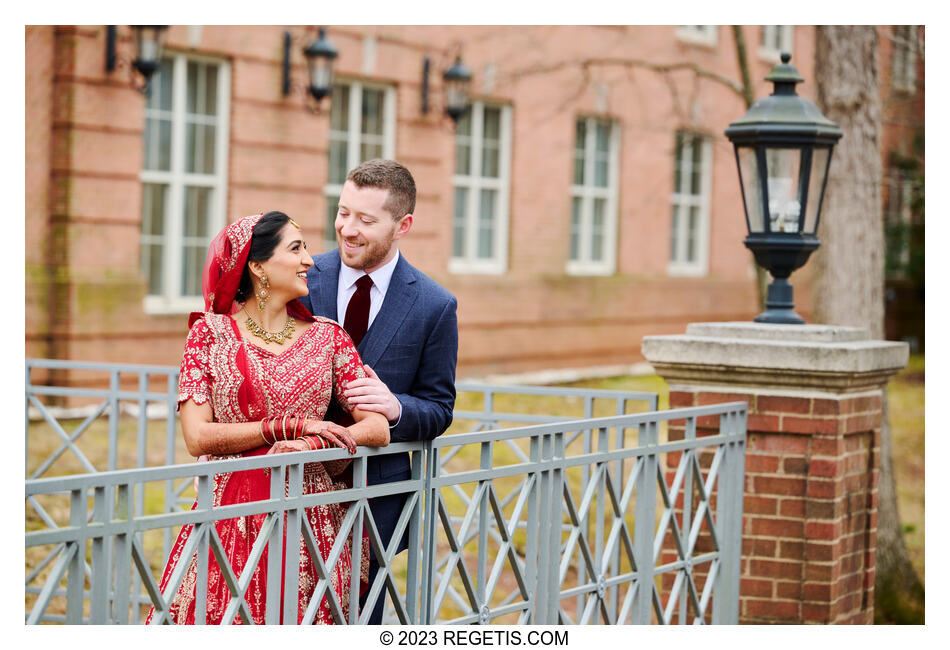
(324, 285)
(400, 297)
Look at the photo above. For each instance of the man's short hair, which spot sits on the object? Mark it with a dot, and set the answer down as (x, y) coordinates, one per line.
(388, 175)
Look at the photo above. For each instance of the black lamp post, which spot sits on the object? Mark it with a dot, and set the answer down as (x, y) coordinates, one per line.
(783, 150)
(320, 55)
(457, 79)
(148, 49)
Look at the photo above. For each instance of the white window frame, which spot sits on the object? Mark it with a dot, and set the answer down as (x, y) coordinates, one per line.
(355, 136)
(587, 193)
(706, 35)
(783, 34)
(171, 301)
(700, 266)
(904, 61)
(470, 262)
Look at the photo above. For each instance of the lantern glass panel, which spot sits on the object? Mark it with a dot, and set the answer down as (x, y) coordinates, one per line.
(751, 187)
(321, 71)
(456, 94)
(819, 166)
(784, 194)
(148, 43)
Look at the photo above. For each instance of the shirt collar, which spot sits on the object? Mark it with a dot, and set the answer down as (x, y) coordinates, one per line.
(381, 276)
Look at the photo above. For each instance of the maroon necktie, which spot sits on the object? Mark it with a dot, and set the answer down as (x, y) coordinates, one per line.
(357, 312)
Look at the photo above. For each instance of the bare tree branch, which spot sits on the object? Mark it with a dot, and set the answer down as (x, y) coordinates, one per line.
(587, 63)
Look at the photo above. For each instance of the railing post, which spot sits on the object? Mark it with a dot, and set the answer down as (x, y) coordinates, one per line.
(417, 469)
(356, 540)
(205, 484)
(430, 513)
(644, 526)
(75, 577)
(291, 547)
(533, 520)
(123, 558)
(99, 576)
(729, 520)
(272, 609)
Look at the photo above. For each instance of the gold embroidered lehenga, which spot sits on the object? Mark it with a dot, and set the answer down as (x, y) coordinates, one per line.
(246, 383)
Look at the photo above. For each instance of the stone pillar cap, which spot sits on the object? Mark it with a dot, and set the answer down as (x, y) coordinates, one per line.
(822, 357)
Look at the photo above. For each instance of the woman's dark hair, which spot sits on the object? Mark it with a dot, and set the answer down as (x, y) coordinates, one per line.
(264, 239)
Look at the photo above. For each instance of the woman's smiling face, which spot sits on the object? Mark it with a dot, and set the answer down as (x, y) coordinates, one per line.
(286, 270)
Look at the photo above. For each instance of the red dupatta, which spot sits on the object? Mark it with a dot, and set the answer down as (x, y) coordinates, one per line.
(224, 266)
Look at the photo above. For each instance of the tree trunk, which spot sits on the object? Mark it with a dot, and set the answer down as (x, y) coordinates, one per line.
(849, 278)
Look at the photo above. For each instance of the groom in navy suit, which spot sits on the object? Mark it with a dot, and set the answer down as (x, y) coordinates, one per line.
(403, 323)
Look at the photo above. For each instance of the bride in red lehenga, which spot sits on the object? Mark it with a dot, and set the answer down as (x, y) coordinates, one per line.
(257, 368)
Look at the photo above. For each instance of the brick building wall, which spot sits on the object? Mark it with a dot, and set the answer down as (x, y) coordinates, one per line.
(85, 286)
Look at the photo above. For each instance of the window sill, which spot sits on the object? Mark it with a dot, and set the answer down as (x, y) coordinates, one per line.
(480, 267)
(582, 269)
(160, 305)
(686, 271)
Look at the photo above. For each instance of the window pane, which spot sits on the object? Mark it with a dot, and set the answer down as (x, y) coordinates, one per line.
(370, 151)
(153, 228)
(597, 231)
(678, 163)
(691, 234)
(329, 229)
(486, 224)
(575, 228)
(158, 144)
(490, 142)
(195, 77)
(194, 259)
(580, 136)
(160, 88)
(674, 240)
(340, 108)
(197, 212)
(199, 148)
(458, 222)
(338, 170)
(696, 185)
(463, 157)
(372, 112)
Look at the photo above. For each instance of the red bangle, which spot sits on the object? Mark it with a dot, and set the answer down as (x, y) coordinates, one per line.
(264, 430)
(270, 430)
(298, 427)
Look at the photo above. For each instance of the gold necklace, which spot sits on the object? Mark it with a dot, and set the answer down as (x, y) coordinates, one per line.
(270, 337)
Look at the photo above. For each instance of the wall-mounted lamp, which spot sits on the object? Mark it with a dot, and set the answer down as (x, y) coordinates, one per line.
(457, 81)
(320, 55)
(148, 50)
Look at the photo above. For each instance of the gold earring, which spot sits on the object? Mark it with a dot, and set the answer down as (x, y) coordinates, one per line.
(262, 293)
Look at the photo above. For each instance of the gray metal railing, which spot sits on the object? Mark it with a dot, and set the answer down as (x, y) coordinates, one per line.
(561, 522)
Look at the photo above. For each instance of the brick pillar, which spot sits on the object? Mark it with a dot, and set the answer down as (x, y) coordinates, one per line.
(812, 456)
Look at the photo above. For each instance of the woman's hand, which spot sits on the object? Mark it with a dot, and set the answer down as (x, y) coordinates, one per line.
(331, 432)
(285, 446)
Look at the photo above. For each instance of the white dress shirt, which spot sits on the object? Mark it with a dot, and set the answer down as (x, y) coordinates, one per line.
(346, 287)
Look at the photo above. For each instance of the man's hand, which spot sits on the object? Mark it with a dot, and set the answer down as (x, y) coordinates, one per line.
(371, 394)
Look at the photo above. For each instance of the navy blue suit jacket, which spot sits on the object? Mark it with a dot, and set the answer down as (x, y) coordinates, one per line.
(412, 345)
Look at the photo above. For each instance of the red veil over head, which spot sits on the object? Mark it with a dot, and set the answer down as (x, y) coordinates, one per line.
(227, 257)
(224, 266)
